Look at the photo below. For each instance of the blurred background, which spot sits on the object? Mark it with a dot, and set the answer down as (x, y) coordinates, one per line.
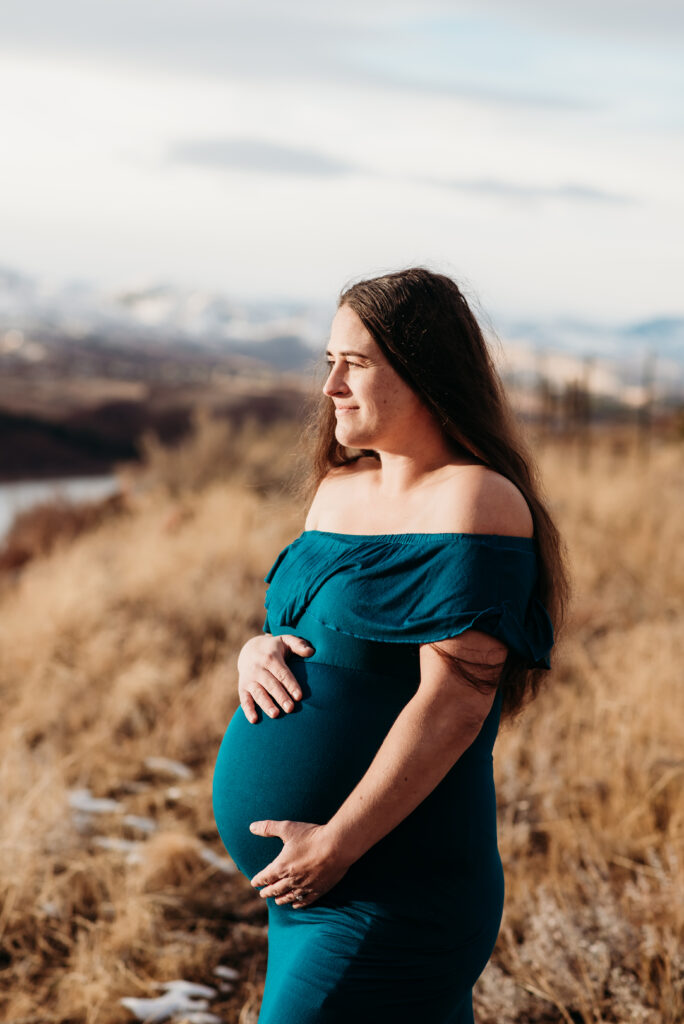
(187, 187)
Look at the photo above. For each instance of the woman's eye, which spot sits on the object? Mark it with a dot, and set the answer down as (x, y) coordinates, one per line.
(349, 362)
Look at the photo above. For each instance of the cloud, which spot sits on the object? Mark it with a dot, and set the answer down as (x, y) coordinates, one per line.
(508, 96)
(220, 38)
(516, 191)
(259, 156)
(658, 21)
(262, 41)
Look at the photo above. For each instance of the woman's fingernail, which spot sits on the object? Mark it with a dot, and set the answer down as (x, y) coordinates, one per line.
(297, 694)
(288, 705)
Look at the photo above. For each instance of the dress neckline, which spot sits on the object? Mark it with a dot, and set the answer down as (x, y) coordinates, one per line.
(422, 536)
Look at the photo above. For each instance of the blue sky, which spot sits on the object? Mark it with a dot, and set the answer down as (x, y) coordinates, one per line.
(533, 150)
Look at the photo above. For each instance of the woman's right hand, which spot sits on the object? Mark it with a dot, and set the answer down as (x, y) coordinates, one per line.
(264, 677)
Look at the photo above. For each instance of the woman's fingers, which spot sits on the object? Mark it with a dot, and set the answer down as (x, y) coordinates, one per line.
(282, 679)
(297, 644)
(277, 691)
(247, 705)
(286, 891)
(297, 899)
(264, 700)
(272, 685)
(277, 889)
(268, 693)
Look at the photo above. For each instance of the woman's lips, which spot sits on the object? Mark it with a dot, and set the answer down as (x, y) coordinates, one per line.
(351, 408)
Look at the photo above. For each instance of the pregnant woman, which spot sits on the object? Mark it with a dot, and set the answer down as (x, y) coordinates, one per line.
(354, 785)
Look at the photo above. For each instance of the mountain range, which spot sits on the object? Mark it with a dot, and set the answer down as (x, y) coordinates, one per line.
(620, 359)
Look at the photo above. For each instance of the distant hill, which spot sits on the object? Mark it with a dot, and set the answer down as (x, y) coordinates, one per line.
(284, 335)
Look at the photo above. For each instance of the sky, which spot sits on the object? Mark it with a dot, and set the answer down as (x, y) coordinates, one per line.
(532, 150)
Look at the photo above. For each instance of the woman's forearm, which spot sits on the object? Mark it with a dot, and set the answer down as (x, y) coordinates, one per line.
(416, 754)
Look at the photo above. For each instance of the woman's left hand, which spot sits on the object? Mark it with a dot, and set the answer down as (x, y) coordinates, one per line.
(307, 866)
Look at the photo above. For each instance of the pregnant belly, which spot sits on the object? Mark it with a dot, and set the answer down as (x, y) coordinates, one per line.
(302, 765)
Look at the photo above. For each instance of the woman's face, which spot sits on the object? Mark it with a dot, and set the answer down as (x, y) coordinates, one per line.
(375, 408)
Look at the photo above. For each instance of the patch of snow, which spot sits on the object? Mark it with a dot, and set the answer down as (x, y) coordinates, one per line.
(83, 800)
(127, 846)
(154, 1011)
(50, 908)
(224, 864)
(167, 766)
(184, 1000)
(223, 971)
(143, 824)
(187, 988)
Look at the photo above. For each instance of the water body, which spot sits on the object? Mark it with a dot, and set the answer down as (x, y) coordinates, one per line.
(15, 497)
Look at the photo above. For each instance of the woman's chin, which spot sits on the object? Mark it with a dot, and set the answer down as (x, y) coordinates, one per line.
(352, 438)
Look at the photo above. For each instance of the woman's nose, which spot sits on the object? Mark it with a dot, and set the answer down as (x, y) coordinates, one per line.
(334, 382)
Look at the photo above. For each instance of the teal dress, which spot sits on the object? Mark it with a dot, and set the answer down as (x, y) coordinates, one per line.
(410, 927)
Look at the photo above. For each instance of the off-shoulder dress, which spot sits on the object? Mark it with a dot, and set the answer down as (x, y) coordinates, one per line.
(410, 927)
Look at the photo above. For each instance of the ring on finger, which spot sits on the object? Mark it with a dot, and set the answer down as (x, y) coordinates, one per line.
(288, 897)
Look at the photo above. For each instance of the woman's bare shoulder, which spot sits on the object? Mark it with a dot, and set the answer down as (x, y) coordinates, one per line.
(327, 491)
(480, 500)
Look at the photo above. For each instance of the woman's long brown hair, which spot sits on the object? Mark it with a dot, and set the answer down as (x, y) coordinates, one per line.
(425, 328)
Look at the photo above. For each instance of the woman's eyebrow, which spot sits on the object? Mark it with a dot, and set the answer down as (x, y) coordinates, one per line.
(361, 355)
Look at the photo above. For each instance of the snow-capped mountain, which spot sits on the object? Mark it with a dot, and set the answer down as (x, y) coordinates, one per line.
(158, 310)
(620, 360)
(286, 335)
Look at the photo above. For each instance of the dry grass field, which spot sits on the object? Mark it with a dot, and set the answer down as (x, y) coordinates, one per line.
(117, 678)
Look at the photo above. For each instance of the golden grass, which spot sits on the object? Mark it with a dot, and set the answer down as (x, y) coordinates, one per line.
(121, 644)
